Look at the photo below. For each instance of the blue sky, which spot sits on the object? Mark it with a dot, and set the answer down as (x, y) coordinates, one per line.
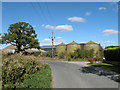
(80, 22)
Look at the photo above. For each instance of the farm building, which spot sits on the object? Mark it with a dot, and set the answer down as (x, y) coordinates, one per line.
(71, 47)
(95, 46)
(11, 49)
(61, 48)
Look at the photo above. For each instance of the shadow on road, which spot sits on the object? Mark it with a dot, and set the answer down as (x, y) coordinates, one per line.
(101, 72)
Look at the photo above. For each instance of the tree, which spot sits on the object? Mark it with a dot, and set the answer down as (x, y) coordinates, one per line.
(22, 35)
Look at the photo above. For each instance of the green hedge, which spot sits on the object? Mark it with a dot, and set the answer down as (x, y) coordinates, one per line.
(112, 53)
(16, 68)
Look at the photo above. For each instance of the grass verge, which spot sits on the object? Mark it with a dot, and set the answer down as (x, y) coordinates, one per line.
(40, 79)
(111, 67)
(19, 71)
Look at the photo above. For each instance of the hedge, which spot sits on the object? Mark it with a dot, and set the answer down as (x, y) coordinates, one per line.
(112, 53)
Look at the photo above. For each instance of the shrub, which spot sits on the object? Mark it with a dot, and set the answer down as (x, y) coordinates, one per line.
(82, 53)
(37, 53)
(16, 68)
(62, 55)
(91, 60)
(112, 53)
(40, 79)
(48, 54)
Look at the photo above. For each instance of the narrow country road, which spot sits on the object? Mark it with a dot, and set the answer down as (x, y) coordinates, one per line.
(69, 75)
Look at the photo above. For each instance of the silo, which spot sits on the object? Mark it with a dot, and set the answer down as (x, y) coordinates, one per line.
(61, 48)
(91, 45)
(71, 47)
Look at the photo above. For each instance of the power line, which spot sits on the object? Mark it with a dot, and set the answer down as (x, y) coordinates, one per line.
(42, 12)
(37, 12)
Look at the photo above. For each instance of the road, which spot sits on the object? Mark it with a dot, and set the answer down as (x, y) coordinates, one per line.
(69, 75)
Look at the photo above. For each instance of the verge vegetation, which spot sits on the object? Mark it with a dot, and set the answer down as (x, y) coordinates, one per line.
(20, 71)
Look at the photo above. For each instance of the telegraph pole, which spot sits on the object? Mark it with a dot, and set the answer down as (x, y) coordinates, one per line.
(52, 43)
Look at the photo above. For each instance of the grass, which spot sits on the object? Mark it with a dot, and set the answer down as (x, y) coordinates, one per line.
(80, 60)
(19, 71)
(111, 67)
(40, 79)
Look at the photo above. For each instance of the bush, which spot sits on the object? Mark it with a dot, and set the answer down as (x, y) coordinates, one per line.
(16, 68)
(48, 54)
(37, 53)
(40, 79)
(62, 55)
(82, 53)
(112, 53)
(91, 60)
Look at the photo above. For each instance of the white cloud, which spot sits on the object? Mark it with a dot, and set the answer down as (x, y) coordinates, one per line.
(48, 26)
(42, 25)
(59, 27)
(88, 13)
(46, 40)
(64, 27)
(58, 37)
(56, 43)
(107, 42)
(110, 32)
(76, 19)
(62, 40)
(102, 8)
(34, 25)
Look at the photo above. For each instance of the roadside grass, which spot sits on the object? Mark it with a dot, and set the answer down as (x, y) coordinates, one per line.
(111, 67)
(80, 60)
(19, 71)
(40, 79)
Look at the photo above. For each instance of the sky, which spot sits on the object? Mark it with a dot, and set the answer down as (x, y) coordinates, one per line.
(78, 21)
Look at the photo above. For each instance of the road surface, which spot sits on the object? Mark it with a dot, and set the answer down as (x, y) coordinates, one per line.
(69, 75)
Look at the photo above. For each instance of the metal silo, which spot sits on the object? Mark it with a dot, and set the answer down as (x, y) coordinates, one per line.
(61, 48)
(71, 47)
(91, 45)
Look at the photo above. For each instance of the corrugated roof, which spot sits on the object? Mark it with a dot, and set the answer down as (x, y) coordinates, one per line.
(61, 44)
(91, 42)
(73, 43)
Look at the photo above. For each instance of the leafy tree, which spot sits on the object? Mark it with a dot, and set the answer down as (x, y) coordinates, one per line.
(22, 35)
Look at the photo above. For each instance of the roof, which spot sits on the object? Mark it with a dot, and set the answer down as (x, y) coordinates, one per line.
(61, 44)
(91, 42)
(73, 43)
(10, 47)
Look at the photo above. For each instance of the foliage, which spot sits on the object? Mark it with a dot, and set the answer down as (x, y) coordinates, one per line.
(48, 54)
(62, 55)
(22, 35)
(94, 59)
(42, 78)
(82, 53)
(16, 68)
(112, 53)
(36, 53)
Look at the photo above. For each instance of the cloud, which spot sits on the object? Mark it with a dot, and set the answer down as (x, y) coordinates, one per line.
(48, 26)
(102, 8)
(62, 40)
(58, 37)
(46, 40)
(59, 27)
(64, 27)
(88, 13)
(110, 32)
(34, 25)
(107, 42)
(76, 19)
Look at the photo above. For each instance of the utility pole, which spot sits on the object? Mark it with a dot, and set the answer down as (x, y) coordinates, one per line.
(52, 43)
